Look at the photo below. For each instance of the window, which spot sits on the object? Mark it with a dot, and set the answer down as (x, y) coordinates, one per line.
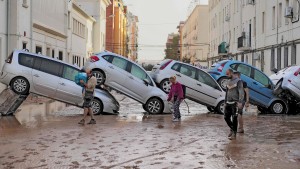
(51, 67)
(280, 15)
(263, 22)
(119, 62)
(24, 4)
(107, 57)
(26, 60)
(244, 69)
(78, 28)
(53, 53)
(138, 72)
(293, 54)
(48, 50)
(286, 56)
(272, 58)
(254, 26)
(273, 18)
(24, 45)
(37, 63)
(70, 73)
(287, 4)
(279, 58)
(60, 55)
(261, 78)
(234, 66)
(206, 79)
(188, 71)
(175, 66)
(262, 61)
(38, 49)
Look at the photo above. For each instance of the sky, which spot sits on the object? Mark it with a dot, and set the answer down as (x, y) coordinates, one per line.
(157, 18)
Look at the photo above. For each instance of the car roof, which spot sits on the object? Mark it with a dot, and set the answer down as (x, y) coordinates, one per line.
(188, 64)
(45, 57)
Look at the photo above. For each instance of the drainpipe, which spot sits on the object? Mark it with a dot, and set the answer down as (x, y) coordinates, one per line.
(8, 27)
(31, 28)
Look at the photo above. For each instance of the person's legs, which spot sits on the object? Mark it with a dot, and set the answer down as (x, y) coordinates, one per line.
(240, 121)
(176, 110)
(85, 110)
(227, 116)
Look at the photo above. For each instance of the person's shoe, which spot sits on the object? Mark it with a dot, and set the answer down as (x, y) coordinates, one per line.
(93, 121)
(232, 137)
(175, 120)
(230, 134)
(81, 122)
(240, 131)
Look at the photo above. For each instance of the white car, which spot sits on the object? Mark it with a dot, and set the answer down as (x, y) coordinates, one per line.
(28, 73)
(200, 86)
(287, 80)
(129, 78)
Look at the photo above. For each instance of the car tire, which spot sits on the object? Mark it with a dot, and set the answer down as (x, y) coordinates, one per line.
(97, 106)
(100, 76)
(278, 107)
(20, 85)
(144, 107)
(165, 85)
(278, 88)
(210, 109)
(223, 82)
(154, 106)
(220, 109)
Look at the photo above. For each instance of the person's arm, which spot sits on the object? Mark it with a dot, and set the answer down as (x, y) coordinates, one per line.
(241, 93)
(180, 92)
(170, 94)
(247, 97)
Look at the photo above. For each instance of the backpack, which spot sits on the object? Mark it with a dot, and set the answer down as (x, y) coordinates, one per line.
(80, 76)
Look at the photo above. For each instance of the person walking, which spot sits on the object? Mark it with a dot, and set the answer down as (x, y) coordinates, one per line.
(176, 97)
(88, 96)
(233, 99)
(245, 104)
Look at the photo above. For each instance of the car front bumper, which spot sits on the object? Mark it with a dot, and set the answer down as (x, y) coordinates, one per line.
(111, 108)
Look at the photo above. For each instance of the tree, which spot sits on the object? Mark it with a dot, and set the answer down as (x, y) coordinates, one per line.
(148, 67)
(172, 49)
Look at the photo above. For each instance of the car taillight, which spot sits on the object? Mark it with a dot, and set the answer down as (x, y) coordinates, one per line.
(165, 65)
(220, 68)
(297, 72)
(9, 59)
(94, 58)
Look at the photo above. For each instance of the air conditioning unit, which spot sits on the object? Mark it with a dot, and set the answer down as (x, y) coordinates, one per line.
(256, 56)
(227, 18)
(251, 2)
(288, 12)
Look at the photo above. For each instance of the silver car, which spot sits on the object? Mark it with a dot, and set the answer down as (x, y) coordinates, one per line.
(32, 73)
(129, 78)
(200, 86)
(287, 81)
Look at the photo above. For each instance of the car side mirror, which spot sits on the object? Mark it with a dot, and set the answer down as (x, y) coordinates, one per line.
(275, 70)
(269, 86)
(146, 82)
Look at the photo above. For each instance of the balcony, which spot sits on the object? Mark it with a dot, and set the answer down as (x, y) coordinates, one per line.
(222, 49)
(244, 43)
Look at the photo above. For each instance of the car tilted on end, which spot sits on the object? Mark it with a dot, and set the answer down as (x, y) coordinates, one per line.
(28, 73)
(200, 86)
(259, 84)
(129, 78)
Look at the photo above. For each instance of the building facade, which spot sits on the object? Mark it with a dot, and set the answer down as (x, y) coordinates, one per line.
(265, 34)
(180, 31)
(133, 33)
(195, 40)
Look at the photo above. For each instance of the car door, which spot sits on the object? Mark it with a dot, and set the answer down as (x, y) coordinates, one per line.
(68, 90)
(115, 73)
(45, 76)
(209, 88)
(135, 83)
(261, 87)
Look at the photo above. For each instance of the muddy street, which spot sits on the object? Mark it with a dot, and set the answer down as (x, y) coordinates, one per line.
(45, 134)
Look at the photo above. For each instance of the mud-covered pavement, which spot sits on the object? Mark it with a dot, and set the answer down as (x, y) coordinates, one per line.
(46, 135)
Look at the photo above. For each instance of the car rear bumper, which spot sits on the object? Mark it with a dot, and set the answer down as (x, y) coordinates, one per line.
(5, 78)
(295, 91)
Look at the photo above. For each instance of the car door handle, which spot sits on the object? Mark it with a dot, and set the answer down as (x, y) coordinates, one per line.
(199, 84)
(130, 77)
(63, 84)
(178, 75)
(255, 83)
(111, 67)
(36, 75)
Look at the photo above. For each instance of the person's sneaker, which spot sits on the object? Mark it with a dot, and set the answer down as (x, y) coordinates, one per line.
(175, 120)
(240, 131)
(230, 134)
(232, 137)
(93, 121)
(81, 122)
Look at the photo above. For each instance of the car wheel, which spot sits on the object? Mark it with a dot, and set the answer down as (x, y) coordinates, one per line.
(223, 82)
(278, 88)
(97, 107)
(210, 109)
(221, 107)
(144, 107)
(99, 76)
(154, 106)
(20, 85)
(278, 107)
(165, 85)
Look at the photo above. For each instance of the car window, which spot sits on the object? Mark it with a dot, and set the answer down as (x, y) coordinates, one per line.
(119, 62)
(175, 66)
(37, 63)
(233, 66)
(107, 57)
(51, 67)
(70, 73)
(244, 69)
(26, 60)
(206, 79)
(261, 78)
(139, 73)
(188, 71)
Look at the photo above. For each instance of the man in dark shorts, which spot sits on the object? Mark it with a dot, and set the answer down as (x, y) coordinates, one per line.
(245, 104)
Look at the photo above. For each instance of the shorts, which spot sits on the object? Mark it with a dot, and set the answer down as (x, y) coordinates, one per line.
(87, 103)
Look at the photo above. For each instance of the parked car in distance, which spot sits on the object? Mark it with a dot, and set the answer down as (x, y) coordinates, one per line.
(200, 86)
(28, 73)
(128, 78)
(260, 86)
(287, 82)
